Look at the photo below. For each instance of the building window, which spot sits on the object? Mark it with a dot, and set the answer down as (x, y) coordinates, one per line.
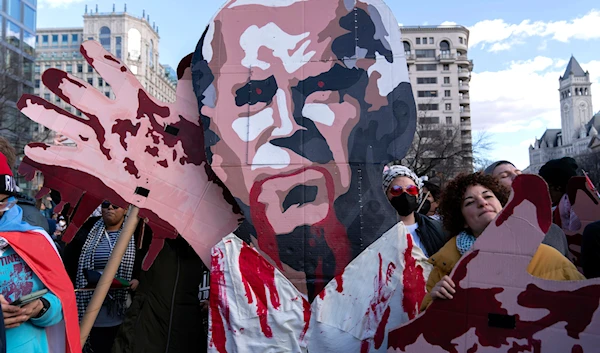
(447, 93)
(425, 107)
(406, 48)
(45, 39)
(445, 49)
(105, 38)
(446, 67)
(14, 9)
(446, 80)
(426, 80)
(74, 38)
(430, 133)
(68, 109)
(37, 69)
(69, 68)
(118, 47)
(429, 120)
(418, 41)
(13, 34)
(29, 43)
(79, 113)
(47, 96)
(65, 40)
(100, 82)
(57, 99)
(460, 40)
(90, 69)
(427, 94)
(107, 94)
(425, 53)
(448, 106)
(37, 83)
(426, 67)
(29, 17)
(90, 81)
(79, 68)
(448, 120)
(424, 40)
(430, 40)
(151, 54)
(54, 39)
(448, 133)
(90, 38)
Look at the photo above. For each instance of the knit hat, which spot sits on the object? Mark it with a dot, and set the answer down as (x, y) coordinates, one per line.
(395, 171)
(8, 186)
(558, 172)
(490, 170)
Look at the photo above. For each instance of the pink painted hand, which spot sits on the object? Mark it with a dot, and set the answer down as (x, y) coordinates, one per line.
(133, 149)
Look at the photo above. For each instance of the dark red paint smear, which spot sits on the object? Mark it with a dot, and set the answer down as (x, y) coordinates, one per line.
(153, 151)
(259, 275)
(577, 349)
(123, 69)
(473, 349)
(163, 163)
(131, 168)
(364, 347)
(93, 121)
(84, 139)
(122, 127)
(307, 313)
(413, 282)
(110, 58)
(39, 145)
(434, 327)
(529, 187)
(380, 333)
(219, 306)
(330, 228)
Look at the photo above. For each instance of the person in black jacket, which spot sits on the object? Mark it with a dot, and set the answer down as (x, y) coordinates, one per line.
(405, 192)
(167, 314)
(590, 250)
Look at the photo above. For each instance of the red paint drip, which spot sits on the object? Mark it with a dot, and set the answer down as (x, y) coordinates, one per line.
(413, 282)
(307, 314)
(321, 84)
(340, 283)
(364, 347)
(123, 69)
(258, 91)
(153, 151)
(380, 333)
(473, 349)
(257, 276)
(531, 188)
(122, 127)
(163, 163)
(219, 306)
(330, 227)
(39, 145)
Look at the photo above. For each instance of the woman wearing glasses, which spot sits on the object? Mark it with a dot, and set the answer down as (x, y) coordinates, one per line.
(405, 192)
(90, 250)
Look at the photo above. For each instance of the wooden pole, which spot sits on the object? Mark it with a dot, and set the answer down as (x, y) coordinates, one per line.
(110, 271)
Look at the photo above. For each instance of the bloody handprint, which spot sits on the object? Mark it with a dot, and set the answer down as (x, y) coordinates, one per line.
(133, 149)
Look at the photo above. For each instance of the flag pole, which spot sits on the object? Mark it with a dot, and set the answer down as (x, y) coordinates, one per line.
(109, 273)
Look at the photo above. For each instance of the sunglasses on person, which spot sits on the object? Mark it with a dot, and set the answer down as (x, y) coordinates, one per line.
(6, 204)
(397, 190)
(107, 204)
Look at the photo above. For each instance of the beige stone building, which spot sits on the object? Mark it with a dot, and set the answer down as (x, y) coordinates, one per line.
(440, 71)
(132, 39)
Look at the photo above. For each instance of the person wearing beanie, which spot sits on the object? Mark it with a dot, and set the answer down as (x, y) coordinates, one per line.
(505, 172)
(404, 190)
(557, 174)
(29, 262)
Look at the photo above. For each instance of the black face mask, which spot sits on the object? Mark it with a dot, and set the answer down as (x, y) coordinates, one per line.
(425, 208)
(405, 204)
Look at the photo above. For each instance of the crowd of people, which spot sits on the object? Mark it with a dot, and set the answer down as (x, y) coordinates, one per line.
(165, 308)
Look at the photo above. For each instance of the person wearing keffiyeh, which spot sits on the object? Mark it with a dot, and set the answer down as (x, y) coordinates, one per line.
(97, 247)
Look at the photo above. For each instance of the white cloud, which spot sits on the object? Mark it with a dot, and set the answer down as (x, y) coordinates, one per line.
(523, 96)
(448, 23)
(58, 3)
(504, 36)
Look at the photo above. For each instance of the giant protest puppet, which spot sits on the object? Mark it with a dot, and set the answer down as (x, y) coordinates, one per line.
(270, 165)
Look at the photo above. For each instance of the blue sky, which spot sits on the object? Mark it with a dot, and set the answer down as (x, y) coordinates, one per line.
(520, 48)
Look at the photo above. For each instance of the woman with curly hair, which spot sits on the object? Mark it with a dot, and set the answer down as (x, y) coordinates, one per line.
(469, 204)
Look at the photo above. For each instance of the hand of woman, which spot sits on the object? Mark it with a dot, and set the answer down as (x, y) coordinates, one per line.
(443, 289)
(15, 316)
(134, 284)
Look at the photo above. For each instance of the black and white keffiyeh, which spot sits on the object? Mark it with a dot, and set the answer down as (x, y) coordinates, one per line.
(117, 299)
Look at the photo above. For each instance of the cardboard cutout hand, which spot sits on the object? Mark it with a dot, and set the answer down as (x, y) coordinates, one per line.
(149, 153)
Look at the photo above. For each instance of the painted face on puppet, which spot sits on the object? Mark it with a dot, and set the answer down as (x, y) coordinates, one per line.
(285, 105)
